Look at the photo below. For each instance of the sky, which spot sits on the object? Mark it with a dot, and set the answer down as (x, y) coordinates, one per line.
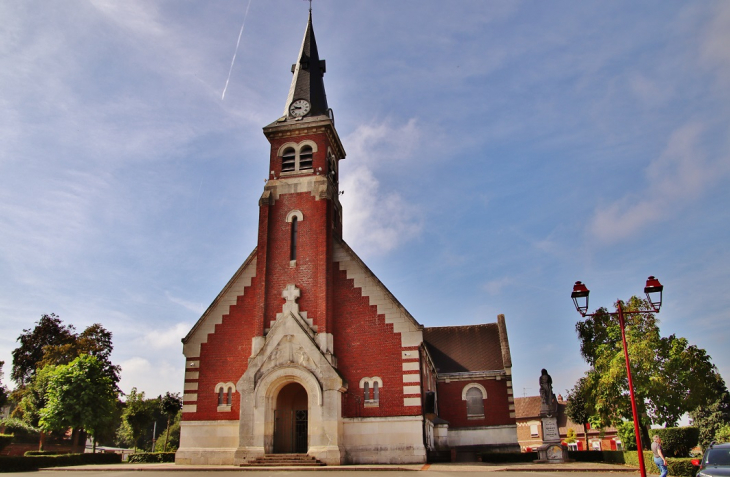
(496, 153)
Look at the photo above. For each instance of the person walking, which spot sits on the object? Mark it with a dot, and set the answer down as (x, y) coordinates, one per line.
(659, 459)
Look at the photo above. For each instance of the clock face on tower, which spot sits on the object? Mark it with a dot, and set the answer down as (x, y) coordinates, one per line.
(299, 108)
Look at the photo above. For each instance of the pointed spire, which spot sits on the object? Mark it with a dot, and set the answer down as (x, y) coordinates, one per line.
(308, 81)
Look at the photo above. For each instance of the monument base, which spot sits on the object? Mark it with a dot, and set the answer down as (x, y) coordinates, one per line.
(551, 452)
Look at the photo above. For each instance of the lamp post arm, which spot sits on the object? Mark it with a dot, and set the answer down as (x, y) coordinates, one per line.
(640, 449)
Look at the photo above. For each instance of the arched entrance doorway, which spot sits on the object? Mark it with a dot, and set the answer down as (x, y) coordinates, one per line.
(291, 420)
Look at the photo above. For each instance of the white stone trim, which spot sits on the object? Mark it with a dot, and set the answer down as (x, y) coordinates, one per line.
(297, 146)
(411, 378)
(190, 397)
(190, 408)
(411, 389)
(225, 387)
(371, 382)
(190, 387)
(295, 213)
(192, 374)
(409, 354)
(410, 402)
(473, 385)
(411, 366)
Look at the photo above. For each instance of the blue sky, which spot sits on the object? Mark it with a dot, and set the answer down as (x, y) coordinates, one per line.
(497, 152)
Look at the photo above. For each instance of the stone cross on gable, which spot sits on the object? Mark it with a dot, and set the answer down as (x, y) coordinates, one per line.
(290, 294)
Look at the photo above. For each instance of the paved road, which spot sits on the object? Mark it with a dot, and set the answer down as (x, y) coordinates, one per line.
(299, 473)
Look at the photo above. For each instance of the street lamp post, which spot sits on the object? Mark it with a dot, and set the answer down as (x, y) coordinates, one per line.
(653, 291)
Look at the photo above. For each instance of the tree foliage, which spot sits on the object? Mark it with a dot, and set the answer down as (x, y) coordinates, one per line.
(79, 395)
(710, 418)
(51, 342)
(3, 388)
(670, 376)
(49, 331)
(137, 415)
(578, 407)
(170, 404)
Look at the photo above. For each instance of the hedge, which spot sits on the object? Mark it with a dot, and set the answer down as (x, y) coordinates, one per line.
(151, 457)
(680, 467)
(610, 457)
(677, 441)
(5, 439)
(22, 464)
(37, 452)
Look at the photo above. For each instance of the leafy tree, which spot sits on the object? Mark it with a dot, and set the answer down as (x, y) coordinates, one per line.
(3, 389)
(49, 331)
(171, 404)
(171, 440)
(723, 434)
(137, 416)
(670, 377)
(578, 407)
(711, 417)
(627, 434)
(80, 395)
(31, 400)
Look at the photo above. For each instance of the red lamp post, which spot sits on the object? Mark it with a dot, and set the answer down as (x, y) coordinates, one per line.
(653, 291)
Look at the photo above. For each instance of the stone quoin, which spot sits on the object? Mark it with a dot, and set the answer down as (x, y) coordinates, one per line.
(306, 351)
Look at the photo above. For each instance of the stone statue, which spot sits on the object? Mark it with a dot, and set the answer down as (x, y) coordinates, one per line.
(546, 391)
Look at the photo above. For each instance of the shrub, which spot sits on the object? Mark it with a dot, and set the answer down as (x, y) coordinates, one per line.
(22, 464)
(151, 457)
(677, 441)
(611, 457)
(21, 430)
(679, 467)
(38, 452)
(627, 434)
(5, 439)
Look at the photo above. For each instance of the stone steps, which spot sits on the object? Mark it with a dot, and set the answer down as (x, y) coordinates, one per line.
(284, 460)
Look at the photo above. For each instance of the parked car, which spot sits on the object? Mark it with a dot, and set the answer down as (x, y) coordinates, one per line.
(715, 462)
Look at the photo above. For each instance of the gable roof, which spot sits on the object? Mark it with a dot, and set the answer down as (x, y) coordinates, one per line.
(526, 407)
(460, 349)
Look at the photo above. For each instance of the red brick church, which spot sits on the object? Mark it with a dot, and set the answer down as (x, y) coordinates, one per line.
(306, 351)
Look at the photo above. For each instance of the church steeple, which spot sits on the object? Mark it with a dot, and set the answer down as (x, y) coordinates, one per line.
(307, 97)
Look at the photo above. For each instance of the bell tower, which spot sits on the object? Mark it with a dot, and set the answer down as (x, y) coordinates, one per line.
(299, 210)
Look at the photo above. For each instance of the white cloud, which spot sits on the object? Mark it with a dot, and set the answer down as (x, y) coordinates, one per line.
(168, 338)
(154, 379)
(494, 287)
(377, 222)
(714, 49)
(679, 175)
(197, 308)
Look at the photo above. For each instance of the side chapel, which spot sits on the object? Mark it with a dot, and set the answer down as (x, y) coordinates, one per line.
(305, 351)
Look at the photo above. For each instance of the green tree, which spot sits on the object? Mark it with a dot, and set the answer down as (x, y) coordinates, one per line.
(723, 434)
(713, 416)
(49, 331)
(627, 434)
(137, 416)
(170, 404)
(80, 395)
(171, 440)
(3, 388)
(670, 377)
(31, 400)
(578, 407)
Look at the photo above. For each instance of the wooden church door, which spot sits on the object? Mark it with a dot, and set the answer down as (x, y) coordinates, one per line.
(291, 420)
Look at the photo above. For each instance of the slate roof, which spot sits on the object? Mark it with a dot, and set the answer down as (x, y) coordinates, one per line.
(526, 407)
(459, 349)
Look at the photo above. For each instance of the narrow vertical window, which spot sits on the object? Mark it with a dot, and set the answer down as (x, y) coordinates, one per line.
(305, 158)
(294, 226)
(230, 396)
(367, 391)
(220, 396)
(376, 392)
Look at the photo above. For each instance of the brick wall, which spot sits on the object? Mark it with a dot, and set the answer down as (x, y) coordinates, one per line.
(496, 406)
(366, 346)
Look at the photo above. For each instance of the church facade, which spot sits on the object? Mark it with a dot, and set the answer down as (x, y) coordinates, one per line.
(305, 351)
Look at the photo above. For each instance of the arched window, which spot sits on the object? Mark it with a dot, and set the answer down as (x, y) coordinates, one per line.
(230, 396)
(289, 160)
(220, 397)
(294, 231)
(367, 391)
(474, 402)
(305, 157)
(376, 392)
